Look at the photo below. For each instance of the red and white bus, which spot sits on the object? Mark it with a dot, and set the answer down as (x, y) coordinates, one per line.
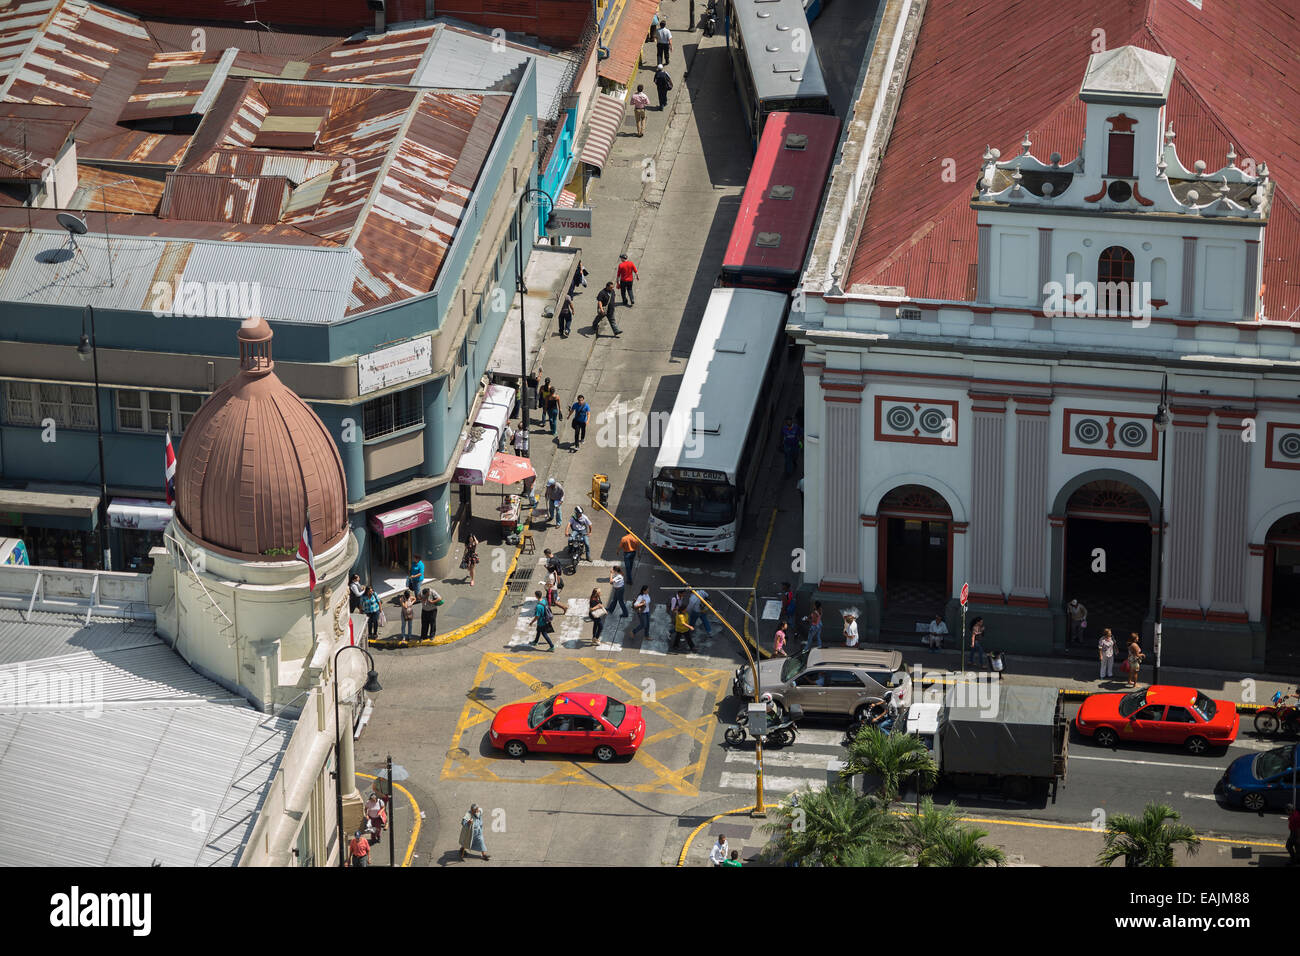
(782, 197)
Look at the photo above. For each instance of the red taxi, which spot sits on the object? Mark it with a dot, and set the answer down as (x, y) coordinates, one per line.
(569, 724)
(1159, 714)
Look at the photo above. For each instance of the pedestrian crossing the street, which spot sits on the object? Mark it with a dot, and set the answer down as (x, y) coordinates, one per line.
(573, 631)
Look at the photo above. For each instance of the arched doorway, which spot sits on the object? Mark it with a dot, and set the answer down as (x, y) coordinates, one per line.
(1281, 603)
(915, 558)
(1108, 520)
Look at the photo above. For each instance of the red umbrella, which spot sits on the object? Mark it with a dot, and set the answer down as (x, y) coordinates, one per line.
(507, 469)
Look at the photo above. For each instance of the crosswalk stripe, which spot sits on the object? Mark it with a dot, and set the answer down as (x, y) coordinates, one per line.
(746, 781)
(821, 738)
(785, 758)
(570, 630)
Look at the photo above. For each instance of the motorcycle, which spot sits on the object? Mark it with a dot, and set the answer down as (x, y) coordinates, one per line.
(1279, 715)
(778, 731)
(709, 19)
(574, 550)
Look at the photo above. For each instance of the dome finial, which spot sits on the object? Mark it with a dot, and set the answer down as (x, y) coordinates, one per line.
(255, 346)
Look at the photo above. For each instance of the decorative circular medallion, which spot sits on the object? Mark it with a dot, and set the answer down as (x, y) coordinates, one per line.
(1288, 446)
(1133, 434)
(1088, 431)
(899, 418)
(933, 420)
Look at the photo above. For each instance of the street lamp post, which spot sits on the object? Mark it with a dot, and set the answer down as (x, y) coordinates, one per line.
(524, 196)
(87, 351)
(1161, 424)
(372, 686)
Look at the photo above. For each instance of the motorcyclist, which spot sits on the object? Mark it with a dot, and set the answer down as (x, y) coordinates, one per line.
(580, 525)
(775, 715)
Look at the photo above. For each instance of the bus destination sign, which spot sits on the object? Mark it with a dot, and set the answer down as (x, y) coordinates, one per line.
(693, 474)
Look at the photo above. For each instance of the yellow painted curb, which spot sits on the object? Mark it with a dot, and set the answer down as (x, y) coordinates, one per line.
(465, 630)
(681, 859)
(415, 815)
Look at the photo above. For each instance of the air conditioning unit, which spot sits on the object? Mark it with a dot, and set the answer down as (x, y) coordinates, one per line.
(909, 314)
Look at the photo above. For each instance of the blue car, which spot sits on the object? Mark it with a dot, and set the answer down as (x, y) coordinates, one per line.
(1261, 781)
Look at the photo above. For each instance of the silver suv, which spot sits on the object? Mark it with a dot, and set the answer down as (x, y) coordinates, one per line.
(843, 681)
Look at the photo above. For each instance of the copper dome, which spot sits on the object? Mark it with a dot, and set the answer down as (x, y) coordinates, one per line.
(256, 460)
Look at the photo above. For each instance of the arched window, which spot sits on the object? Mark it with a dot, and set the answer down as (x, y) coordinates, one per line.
(1114, 281)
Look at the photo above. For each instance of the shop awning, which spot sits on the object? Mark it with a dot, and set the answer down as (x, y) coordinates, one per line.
(31, 501)
(626, 40)
(476, 458)
(402, 519)
(602, 128)
(498, 401)
(566, 200)
(139, 514)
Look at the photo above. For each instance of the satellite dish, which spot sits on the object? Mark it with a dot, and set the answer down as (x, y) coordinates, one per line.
(74, 224)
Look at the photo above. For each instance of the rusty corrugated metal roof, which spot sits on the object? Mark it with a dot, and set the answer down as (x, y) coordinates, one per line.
(627, 39)
(210, 198)
(1237, 81)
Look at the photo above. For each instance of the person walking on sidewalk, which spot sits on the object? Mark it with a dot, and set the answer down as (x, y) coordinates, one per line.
(790, 443)
(697, 612)
(641, 606)
(628, 545)
(627, 274)
(618, 584)
(370, 607)
(430, 601)
(1106, 654)
(778, 643)
(977, 643)
(521, 442)
(606, 304)
(554, 498)
(814, 626)
(682, 629)
(471, 833)
(639, 104)
(1135, 658)
(566, 316)
(356, 590)
(663, 43)
(664, 84)
(850, 629)
(1078, 615)
(552, 409)
(359, 850)
(470, 561)
(578, 413)
(544, 621)
(408, 614)
(579, 280)
(596, 614)
(554, 581)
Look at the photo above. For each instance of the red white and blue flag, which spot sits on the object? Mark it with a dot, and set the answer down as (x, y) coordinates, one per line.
(305, 554)
(169, 471)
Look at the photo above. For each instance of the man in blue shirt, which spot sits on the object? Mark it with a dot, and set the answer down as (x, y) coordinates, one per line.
(790, 442)
(579, 411)
(542, 620)
(416, 577)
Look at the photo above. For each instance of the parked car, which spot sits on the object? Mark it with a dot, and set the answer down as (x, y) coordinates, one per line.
(1262, 781)
(1160, 714)
(830, 680)
(569, 724)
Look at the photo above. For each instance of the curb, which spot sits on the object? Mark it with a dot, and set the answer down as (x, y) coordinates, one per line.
(465, 630)
(681, 857)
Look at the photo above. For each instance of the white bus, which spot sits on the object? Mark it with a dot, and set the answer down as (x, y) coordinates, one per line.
(721, 423)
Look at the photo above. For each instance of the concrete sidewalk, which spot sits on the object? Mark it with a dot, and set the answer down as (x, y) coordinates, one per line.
(1025, 843)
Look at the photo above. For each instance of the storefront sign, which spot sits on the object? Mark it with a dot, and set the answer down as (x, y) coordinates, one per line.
(569, 222)
(138, 514)
(395, 365)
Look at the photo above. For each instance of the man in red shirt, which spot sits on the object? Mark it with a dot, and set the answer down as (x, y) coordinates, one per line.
(359, 849)
(627, 274)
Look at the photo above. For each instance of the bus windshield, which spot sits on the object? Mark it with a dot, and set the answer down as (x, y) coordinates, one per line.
(682, 501)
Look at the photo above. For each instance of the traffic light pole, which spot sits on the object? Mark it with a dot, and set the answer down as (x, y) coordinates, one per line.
(599, 500)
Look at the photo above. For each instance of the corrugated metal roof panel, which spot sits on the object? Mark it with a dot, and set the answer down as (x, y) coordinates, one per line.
(212, 198)
(53, 635)
(627, 39)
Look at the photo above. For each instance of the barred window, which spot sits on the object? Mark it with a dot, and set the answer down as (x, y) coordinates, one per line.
(392, 413)
(30, 403)
(155, 412)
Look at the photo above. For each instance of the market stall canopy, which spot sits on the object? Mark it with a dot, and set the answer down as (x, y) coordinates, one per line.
(402, 519)
(507, 469)
(493, 413)
(139, 514)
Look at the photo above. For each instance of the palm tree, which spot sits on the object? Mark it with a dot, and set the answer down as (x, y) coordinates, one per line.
(961, 846)
(920, 831)
(891, 757)
(1148, 840)
(831, 827)
(874, 855)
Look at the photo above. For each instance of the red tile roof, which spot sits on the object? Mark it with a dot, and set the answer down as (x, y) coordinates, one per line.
(1236, 81)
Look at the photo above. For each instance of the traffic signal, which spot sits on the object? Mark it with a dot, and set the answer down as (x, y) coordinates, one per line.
(600, 490)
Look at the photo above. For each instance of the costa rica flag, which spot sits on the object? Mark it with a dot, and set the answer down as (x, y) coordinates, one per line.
(305, 554)
(169, 470)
